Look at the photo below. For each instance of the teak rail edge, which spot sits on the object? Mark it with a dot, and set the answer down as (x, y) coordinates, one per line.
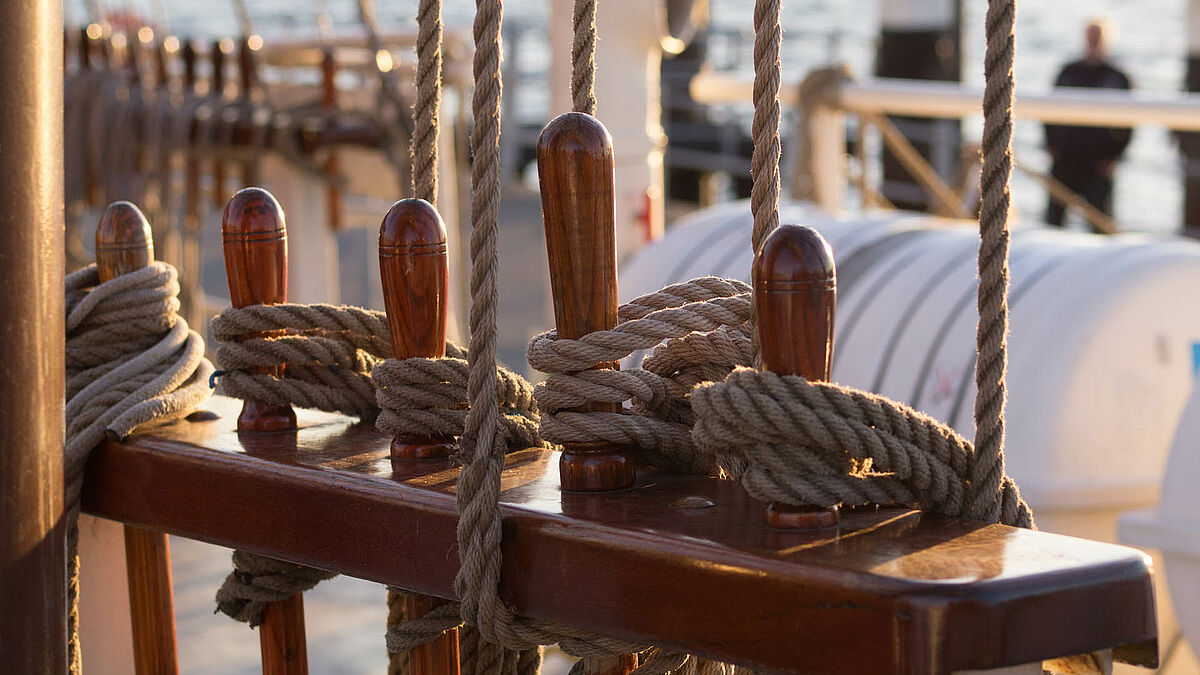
(711, 579)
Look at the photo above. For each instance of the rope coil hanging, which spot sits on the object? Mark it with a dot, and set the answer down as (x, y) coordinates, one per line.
(131, 360)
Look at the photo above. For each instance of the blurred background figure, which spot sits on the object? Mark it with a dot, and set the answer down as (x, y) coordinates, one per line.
(1083, 158)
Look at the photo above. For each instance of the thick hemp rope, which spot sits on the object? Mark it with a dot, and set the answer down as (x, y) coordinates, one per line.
(817, 443)
(992, 336)
(427, 109)
(258, 581)
(130, 360)
(764, 129)
(482, 447)
(583, 57)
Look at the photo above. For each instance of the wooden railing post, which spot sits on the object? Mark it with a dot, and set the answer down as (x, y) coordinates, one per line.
(415, 273)
(221, 51)
(575, 166)
(124, 244)
(33, 629)
(255, 242)
(795, 294)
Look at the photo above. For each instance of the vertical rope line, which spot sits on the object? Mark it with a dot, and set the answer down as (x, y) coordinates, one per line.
(987, 470)
(764, 163)
(482, 449)
(583, 57)
(764, 131)
(427, 109)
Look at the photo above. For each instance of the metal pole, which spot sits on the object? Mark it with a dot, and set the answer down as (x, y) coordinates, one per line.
(33, 634)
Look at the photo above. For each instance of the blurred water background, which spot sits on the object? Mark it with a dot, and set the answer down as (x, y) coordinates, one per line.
(1150, 46)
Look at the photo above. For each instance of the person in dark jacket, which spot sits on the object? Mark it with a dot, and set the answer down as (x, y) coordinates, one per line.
(1083, 158)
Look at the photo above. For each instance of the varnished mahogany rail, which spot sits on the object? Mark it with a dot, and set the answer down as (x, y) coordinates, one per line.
(889, 591)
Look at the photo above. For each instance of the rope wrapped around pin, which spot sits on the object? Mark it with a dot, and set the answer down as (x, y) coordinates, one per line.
(428, 396)
(257, 581)
(821, 444)
(698, 407)
(131, 359)
(698, 330)
(328, 352)
(338, 359)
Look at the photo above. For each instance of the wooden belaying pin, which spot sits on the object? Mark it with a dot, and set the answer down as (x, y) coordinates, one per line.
(123, 241)
(415, 273)
(575, 167)
(254, 238)
(123, 245)
(795, 294)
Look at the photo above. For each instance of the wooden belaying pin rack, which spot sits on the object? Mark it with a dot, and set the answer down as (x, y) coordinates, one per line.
(886, 591)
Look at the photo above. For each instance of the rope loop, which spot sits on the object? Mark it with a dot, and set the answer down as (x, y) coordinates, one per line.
(131, 360)
(821, 444)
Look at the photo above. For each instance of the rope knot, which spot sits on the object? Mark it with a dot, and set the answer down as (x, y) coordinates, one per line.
(820, 444)
(257, 581)
(428, 397)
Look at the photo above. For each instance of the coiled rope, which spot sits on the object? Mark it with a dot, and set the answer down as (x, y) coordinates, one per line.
(131, 360)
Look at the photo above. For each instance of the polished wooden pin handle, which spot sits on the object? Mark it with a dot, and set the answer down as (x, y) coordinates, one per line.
(254, 237)
(415, 273)
(123, 245)
(795, 294)
(575, 166)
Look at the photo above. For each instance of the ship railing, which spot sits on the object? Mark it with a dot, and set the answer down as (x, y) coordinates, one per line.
(825, 97)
